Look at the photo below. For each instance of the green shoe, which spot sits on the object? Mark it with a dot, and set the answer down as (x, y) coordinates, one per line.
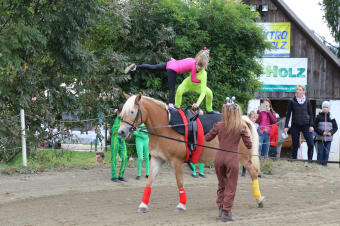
(202, 175)
(194, 175)
(122, 179)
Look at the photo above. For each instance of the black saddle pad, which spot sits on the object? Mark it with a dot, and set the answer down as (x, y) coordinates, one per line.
(207, 121)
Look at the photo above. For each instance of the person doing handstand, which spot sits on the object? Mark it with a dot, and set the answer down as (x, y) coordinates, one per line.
(174, 67)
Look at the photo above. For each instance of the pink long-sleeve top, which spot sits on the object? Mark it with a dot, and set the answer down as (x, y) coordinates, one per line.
(183, 66)
(266, 119)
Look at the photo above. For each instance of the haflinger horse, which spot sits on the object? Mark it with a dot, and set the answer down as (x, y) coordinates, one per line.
(154, 114)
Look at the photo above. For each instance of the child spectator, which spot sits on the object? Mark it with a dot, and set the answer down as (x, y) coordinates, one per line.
(100, 158)
(325, 126)
(274, 140)
(266, 119)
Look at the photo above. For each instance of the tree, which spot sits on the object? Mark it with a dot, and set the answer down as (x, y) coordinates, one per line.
(67, 57)
(332, 16)
(41, 47)
(179, 29)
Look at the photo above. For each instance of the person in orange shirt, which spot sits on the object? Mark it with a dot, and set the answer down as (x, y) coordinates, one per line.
(274, 138)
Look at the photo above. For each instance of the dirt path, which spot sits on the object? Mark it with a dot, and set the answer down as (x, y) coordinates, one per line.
(296, 195)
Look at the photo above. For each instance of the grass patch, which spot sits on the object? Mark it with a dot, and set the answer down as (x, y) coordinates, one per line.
(267, 166)
(41, 160)
(79, 143)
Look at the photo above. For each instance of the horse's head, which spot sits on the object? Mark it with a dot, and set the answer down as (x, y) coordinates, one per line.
(131, 115)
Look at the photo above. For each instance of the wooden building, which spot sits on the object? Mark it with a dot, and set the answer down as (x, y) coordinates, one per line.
(323, 67)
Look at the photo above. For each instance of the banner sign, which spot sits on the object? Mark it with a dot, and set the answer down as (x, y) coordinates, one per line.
(279, 35)
(283, 74)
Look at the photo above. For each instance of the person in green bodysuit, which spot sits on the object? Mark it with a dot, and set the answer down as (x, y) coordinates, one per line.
(142, 146)
(204, 91)
(201, 170)
(201, 88)
(118, 147)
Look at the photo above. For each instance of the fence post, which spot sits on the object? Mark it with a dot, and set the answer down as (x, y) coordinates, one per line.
(23, 137)
(105, 137)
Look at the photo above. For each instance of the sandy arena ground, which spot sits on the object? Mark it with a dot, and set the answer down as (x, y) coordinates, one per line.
(295, 195)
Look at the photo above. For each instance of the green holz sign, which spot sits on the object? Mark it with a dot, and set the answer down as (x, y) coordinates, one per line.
(283, 74)
(276, 71)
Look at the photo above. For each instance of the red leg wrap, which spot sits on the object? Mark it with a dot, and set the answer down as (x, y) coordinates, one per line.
(146, 195)
(182, 196)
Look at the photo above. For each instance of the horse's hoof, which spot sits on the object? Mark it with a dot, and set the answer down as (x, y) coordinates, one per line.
(180, 207)
(179, 210)
(143, 208)
(260, 202)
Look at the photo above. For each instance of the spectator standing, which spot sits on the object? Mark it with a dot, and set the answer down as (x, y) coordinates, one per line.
(274, 140)
(325, 126)
(266, 118)
(300, 108)
(253, 116)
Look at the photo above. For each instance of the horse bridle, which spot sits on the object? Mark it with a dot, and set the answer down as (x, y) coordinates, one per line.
(133, 126)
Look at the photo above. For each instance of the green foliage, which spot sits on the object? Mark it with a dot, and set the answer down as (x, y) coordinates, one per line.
(69, 56)
(332, 16)
(236, 42)
(228, 29)
(42, 46)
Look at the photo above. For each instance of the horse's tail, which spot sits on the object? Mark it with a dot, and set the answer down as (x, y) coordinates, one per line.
(255, 139)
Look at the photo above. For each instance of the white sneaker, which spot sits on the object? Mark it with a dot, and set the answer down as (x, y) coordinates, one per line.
(131, 67)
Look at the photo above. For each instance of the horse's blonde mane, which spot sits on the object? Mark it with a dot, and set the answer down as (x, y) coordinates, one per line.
(129, 104)
(161, 103)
